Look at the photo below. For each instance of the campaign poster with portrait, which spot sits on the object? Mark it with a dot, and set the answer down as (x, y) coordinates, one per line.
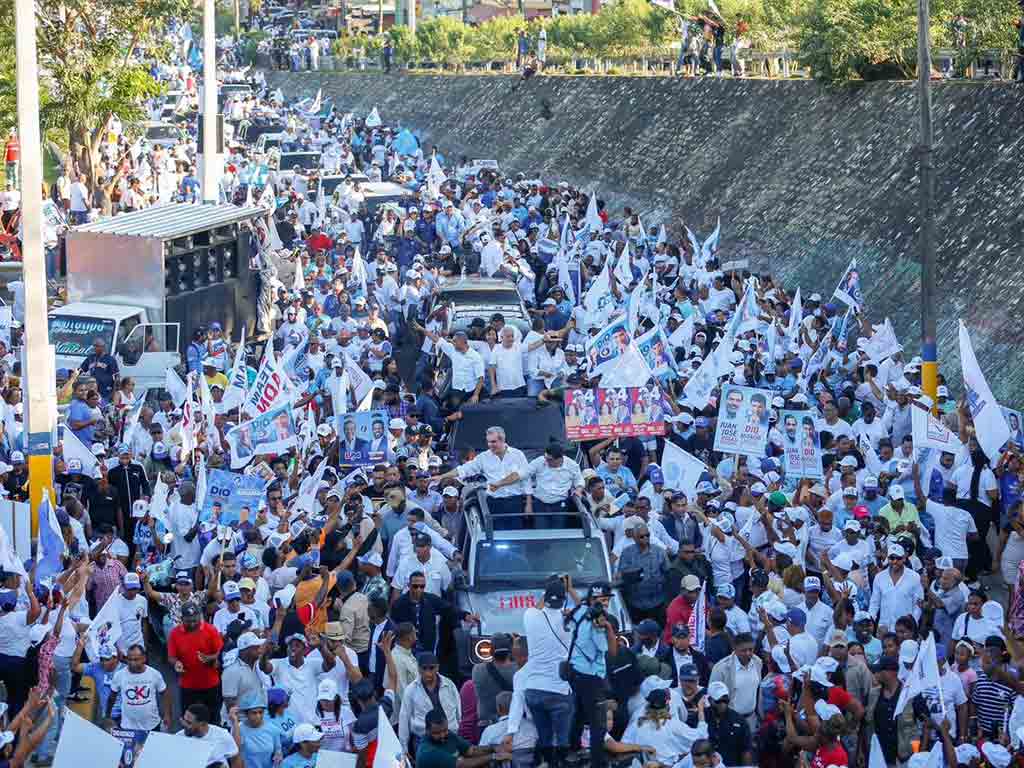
(656, 351)
(271, 434)
(801, 445)
(363, 436)
(232, 497)
(607, 345)
(742, 420)
(1015, 423)
(595, 414)
(133, 742)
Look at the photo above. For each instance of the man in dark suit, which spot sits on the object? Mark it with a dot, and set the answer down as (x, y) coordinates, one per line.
(681, 654)
(377, 610)
(427, 612)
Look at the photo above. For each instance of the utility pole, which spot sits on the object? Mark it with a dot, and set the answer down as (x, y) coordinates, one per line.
(929, 350)
(238, 21)
(40, 371)
(211, 174)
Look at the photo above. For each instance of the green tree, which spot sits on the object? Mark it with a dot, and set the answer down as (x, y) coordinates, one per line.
(90, 70)
(445, 40)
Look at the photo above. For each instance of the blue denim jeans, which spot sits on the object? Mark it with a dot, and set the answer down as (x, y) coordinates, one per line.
(62, 687)
(552, 715)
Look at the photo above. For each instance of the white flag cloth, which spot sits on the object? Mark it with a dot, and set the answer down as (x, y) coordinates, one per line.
(593, 219)
(682, 336)
(710, 247)
(795, 317)
(188, 423)
(681, 469)
(877, 756)
(373, 119)
(390, 752)
(989, 425)
(75, 449)
(598, 299)
(271, 388)
(340, 394)
(630, 369)
(929, 432)
(238, 380)
(175, 387)
(624, 268)
(267, 200)
(201, 481)
(9, 559)
(923, 675)
(565, 281)
(105, 629)
(883, 343)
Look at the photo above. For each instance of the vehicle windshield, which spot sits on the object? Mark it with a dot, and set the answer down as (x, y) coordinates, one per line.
(305, 160)
(162, 132)
(461, 299)
(530, 562)
(73, 336)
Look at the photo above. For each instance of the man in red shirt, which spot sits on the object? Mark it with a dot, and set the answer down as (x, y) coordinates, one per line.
(193, 649)
(318, 241)
(681, 607)
(12, 155)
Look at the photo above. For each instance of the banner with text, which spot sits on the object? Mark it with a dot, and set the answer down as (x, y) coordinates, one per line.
(742, 420)
(594, 414)
(801, 445)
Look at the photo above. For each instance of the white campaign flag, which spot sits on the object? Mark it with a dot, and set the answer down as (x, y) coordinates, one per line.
(592, 218)
(923, 675)
(681, 469)
(267, 201)
(105, 629)
(74, 448)
(340, 395)
(796, 312)
(883, 343)
(990, 427)
(390, 752)
(929, 432)
(238, 380)
(624, 268)
(271, 388)
(187, 428)
(373, 119)
(565, 280)
(201, 481)
(630, 369)
(362, 385)
(598, 298)
(682, 336)
(710, 246)
(9, 559)
(877, 756)
(175, 387)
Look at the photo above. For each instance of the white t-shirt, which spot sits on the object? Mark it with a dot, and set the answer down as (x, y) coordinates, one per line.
(508, 367)
(962, 480)
(952, 525)
(222, 745)
(14, 633)
(132, 612)
(337, 673)
(140, 707)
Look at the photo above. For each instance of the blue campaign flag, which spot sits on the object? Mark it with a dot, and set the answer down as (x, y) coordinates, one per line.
(51, 542)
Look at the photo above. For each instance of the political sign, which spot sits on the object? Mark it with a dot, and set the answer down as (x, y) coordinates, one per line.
(271, 433)
(594, 414)
(133, 742)
(232, 497)
(990, 427)
(801, 445)
(929, 432)
(657, 353)
(1014, 422)
(363, 436)
(742, 420)
(610, 342)
(105, 628)
(682, 470)
(848, 290)
(271, 388)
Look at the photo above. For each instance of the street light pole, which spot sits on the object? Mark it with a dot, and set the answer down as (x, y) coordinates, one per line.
(39, 387)
(211, 175)
(929, 351)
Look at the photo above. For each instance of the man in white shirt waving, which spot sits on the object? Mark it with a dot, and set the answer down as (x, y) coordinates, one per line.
(506, 470)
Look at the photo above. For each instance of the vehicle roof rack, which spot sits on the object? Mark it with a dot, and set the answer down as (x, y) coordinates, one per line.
(574, 508)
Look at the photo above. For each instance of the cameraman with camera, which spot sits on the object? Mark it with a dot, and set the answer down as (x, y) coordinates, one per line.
(593, 636)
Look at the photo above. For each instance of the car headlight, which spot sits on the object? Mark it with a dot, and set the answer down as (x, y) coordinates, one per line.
(484, 650)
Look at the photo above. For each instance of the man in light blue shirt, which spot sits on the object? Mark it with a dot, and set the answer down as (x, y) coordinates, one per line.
(617, 476)
(593, 638)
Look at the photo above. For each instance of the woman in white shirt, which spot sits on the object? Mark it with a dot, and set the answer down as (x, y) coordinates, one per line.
(977, 491)
(657, 727)
(15, 625)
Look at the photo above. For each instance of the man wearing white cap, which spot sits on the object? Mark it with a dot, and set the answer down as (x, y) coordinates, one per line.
(896, 591)
(900, 515)
(819, 615)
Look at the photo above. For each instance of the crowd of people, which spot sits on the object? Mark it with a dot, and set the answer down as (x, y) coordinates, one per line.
(756, 610)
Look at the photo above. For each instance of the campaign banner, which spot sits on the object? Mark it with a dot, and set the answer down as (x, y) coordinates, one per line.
(232, 497)
(742, 420)
(657, 352)
(848, 290)
(271, 387)
(271, 433)
(363, 436)
(133, 742)
(1014, 422)
(801, 445)
(595, 414)
(608, 344)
